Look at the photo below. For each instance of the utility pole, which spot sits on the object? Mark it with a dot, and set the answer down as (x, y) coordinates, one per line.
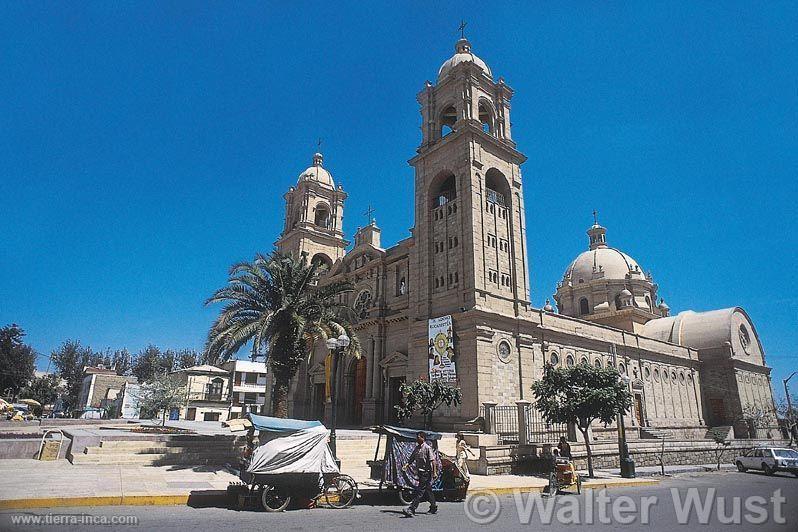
(789, 403)
(626, 462)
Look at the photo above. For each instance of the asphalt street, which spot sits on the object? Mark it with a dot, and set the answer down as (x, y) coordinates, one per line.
(719, 499)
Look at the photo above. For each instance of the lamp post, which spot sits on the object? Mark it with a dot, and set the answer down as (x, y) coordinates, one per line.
(789, 402)
(335, 345)
(626, 462)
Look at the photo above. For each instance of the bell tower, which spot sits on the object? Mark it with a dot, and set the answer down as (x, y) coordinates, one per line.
(314, 213)
(470, 229)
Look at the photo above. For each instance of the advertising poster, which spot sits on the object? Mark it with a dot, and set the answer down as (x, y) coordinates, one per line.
(441, 350)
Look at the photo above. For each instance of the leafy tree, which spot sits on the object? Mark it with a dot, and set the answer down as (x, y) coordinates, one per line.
(70, 359)
(756, 417)
(580, 395)
(44, 389)
(719, 435)
(789, 417)
(185, 358)
(426, 397)
(122, 361)
(17, 360)
(277, 304)
(150, 362)
(162, 393)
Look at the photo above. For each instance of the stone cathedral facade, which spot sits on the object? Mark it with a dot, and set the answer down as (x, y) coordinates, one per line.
(467, 258)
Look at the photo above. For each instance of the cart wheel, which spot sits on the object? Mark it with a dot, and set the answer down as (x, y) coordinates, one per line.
(405, 496)
(273, 500)
(553, 487)
(341, 492)
(578, 485)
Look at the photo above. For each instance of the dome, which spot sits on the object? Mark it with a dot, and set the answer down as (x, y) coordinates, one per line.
(601, 261)
(548, 307)
(626, 293)
(317, 172)
(462, 54)
(605, 263)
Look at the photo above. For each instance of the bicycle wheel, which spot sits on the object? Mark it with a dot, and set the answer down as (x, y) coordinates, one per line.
(341, 492)
(273, 499)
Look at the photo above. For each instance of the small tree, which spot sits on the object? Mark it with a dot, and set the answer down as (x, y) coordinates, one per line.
(426, 397)
(163, 392)
(756, 417)
(581, 395)
(789, 417)
(44, 389)
(720, 436)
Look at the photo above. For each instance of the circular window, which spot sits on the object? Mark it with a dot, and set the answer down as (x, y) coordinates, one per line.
(597, 363)
(569, 361)
(656, 375)
(554, 359)
(745, 338)
(647, 373)
(362, 304)
(503, 350)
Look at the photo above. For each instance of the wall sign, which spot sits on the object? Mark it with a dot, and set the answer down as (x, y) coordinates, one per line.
(441, 350)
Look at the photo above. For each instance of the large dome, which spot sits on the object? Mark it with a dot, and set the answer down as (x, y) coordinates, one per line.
(462, 54)
(601, 261)
(317, 172)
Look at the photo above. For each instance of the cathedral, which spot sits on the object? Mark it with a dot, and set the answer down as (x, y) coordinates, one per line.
(465, 265)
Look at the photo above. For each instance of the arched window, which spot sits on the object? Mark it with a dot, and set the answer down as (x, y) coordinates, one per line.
(597, 363)
(584, 361)
(569, 361)
(554, 359)
(322, 218)
(648, 303)
(448, 119)
(322, 261)
(583, 306)
(445, 192)
(486, 117)
(618, 302)
(497, 188)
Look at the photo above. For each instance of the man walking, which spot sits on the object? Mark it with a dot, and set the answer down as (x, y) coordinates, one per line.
(426, 467)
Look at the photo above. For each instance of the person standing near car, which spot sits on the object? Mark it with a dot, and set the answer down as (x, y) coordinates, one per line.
(424, 458)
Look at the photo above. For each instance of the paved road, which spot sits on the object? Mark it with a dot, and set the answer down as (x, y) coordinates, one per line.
(567, 511)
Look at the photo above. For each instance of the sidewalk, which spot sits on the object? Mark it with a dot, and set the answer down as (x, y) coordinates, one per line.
(34, 484)
(656, 471)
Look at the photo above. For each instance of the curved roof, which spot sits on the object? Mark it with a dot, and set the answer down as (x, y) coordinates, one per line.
(317, 172)
(462, 54)
(615, 264)
(699, 330)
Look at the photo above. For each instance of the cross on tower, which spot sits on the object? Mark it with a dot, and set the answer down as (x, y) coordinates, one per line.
(318, 144)
(370, 214)
(595, 217)
(462, 27)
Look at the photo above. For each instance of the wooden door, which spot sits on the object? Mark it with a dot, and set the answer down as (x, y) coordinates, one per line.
(191, 414)
(639, 410)
(319, 391)
(360, 390)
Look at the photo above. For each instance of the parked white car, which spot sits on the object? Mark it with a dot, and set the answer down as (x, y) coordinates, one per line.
(769, 460)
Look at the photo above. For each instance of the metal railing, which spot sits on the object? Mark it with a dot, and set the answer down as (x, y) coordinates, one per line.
(205, 396)
(506, 424)
(495, 197)
(541, 431)
(505, 421)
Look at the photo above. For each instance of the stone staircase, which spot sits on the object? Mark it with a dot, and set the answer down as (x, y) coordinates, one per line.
(195, 450)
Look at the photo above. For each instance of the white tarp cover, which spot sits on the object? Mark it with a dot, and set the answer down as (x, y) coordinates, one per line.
(304, 451)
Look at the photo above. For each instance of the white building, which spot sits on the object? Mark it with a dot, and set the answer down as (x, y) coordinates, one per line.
(248, 387)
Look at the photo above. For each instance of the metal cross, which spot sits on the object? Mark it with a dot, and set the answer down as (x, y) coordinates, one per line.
(370, 214)
(595, 217)
(318, 144)
(462, 27)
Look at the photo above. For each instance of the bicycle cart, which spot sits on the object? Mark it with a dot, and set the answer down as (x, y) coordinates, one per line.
(400, 442)
(292, 462)
(563, 477)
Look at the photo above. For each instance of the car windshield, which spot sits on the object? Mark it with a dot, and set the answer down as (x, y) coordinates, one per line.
(785, 453)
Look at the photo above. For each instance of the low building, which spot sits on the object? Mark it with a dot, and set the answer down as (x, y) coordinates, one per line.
(249, 385)
(127, 401)
(207, 394)
(100, 387)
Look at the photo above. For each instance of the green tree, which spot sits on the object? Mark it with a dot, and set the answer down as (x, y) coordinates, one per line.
(580, 395)
(17, 360)
(44, 389)
(277, 304)
(70, 359)
(426, 397)
(122, 361)
(185, 358)
(162, 393)
(150, 362)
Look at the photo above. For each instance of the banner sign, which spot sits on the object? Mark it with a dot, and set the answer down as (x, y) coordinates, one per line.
(441, 350)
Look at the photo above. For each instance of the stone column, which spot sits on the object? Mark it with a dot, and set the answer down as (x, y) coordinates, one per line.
(523, 420)
(490, 417)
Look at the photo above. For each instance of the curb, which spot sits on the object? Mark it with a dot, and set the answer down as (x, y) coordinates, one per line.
(218, 496)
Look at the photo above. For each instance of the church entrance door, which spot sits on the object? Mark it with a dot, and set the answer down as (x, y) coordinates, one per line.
(639, 409)
(318, 401)
(360, 390)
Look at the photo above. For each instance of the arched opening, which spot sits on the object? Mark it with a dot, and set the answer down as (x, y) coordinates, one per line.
(618, 304)
(448, 119)
(648, 304)
(486, 117)
(322, 218)
(445, 191)
(584, 308)
(497, 188)
(322, 261)
(357, 374)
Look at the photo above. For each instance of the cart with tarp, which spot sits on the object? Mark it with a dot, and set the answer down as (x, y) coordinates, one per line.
(292, 462)
(451, 483)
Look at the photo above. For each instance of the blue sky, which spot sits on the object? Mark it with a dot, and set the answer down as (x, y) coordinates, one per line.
(146, 146)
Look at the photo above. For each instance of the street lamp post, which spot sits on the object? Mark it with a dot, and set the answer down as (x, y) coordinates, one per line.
(335, 345)
(626, 462)
(789, 402)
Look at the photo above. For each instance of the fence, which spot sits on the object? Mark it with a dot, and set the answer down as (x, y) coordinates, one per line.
(521, 423)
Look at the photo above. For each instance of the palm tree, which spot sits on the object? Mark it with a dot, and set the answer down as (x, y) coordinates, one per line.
(277, 304)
